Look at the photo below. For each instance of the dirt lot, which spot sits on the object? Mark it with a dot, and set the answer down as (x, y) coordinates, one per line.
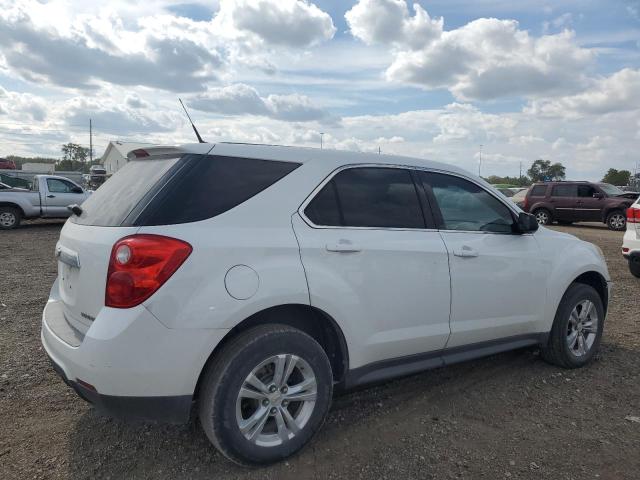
(507, 416)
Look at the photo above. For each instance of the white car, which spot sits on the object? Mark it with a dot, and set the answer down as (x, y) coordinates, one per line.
(256, 280)
(631, 239)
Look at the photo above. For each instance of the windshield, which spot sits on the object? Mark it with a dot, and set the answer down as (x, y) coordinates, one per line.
(611, 190)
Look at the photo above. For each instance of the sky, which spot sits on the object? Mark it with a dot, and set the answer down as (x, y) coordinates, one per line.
(448, 80)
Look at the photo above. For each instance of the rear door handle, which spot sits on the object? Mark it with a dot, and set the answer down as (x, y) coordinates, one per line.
(343, 246)
(466, 251)
(51, 196)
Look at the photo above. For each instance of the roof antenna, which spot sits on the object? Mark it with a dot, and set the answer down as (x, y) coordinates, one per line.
(200, 140)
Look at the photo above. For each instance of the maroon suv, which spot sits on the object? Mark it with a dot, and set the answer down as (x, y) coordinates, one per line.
(568, 202)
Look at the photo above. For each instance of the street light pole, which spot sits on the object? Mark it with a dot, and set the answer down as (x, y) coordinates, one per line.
(321, 135)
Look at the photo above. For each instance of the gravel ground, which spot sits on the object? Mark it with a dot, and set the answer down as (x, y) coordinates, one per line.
(506, 416)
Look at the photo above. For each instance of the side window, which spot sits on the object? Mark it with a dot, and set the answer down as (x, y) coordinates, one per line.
(564, 191)
(466, 206)
(374, 197)
(586, 191)
(539, 191)
(58, 186)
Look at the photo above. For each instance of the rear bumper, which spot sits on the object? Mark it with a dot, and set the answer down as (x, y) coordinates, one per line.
(173, 409)
(127, 363)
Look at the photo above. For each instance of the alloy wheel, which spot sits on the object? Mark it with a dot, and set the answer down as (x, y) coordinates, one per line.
(617, 221)
(542, 218)
(7, 219)
(582, 328)
(276, 400)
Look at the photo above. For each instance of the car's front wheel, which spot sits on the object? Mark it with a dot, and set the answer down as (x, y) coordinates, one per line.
(577, 328)
(617, 220)
(266, 394)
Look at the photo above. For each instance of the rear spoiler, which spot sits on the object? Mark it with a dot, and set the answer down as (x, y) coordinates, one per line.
(156, 152)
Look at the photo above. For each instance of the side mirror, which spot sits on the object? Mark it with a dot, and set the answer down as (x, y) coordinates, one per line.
(598, 195)
(77, 190)
(527, 223)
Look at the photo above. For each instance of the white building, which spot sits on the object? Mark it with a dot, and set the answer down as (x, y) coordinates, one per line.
(39, 167)
(115, 156)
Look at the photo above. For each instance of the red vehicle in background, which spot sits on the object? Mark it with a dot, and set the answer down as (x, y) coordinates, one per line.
(7, 164)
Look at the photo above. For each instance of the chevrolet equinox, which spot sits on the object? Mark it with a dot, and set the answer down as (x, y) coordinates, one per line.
(252, 281)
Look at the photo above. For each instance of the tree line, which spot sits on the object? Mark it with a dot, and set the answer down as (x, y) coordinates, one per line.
(545, 171)
(75, 158)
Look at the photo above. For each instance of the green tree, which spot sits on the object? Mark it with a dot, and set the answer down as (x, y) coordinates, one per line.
(74, 157)
(542, 170)
(519, 181)
(617, 177)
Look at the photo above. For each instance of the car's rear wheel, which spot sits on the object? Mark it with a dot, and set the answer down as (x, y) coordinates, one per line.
(634, 265)
(9, 218)
(266, 394)
(543, 216)
(617, 220)
(577, 328)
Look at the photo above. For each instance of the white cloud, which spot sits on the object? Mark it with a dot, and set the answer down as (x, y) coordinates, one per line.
(160, 51)
(22, 106)
(618, 92)
(485, 59)
(389, 21)
(239, 99)
(293, 23)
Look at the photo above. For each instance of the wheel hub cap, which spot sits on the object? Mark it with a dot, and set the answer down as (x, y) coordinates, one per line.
(276, 400)
(582, 328)
(7, 219)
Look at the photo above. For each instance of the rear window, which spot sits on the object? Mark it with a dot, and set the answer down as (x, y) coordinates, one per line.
(112, 202)
(179, 190)
(539, 191)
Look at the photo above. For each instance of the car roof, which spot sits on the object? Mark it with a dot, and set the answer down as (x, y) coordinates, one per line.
(309, 154)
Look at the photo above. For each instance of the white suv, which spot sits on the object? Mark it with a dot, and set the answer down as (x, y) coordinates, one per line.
(256, 280)
(631, 239)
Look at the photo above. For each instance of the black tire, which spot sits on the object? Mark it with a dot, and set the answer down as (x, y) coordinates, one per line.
(9, 218)
(617, 220)
(543, 216)
(557, 351)
(634, 265)
(226, 374)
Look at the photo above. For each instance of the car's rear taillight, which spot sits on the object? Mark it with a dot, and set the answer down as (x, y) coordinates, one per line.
(633, 215)
(139, 265)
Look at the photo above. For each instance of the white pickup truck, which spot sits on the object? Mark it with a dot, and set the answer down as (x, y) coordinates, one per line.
(49, 197)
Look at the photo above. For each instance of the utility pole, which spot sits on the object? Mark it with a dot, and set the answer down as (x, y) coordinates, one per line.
(379, 150)
(480, 162)
(90, 142)
(520, 177)
(321, 135)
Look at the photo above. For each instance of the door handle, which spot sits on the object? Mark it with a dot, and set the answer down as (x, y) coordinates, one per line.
(466, 251)
(51, 196)
(343, 246)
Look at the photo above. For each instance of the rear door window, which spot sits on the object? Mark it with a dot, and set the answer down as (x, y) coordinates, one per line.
(374, 197)
(539, 191)
(564, 191)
